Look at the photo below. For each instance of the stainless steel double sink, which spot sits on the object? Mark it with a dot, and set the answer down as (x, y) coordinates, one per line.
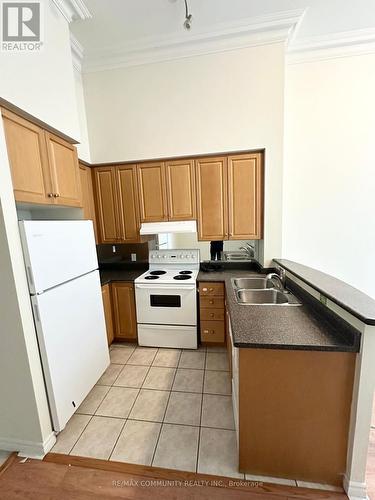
(262, 291)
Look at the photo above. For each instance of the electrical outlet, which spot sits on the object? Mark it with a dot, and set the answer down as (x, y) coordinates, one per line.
(323, 299)
(133, 257)
(114, 248)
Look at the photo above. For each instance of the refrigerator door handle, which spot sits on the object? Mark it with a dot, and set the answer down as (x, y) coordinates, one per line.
(30, 275)
(36, 313)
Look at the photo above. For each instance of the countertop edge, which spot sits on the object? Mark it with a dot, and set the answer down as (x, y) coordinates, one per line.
(288, 266)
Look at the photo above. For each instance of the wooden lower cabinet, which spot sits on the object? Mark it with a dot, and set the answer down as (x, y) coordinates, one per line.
(212, 317)
(107, 305)
(125, 321)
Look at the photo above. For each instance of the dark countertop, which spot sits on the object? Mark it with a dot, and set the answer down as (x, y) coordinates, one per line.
(109, 275)
(306, 327)
(349, 298)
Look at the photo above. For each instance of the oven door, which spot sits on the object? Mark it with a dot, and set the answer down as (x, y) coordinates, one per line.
(166, 304)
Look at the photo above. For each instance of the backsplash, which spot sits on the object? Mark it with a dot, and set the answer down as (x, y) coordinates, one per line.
(115, 254)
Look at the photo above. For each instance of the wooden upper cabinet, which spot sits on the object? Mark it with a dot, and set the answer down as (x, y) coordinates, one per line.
(28, 159)
(211, 176)
(63, 162)
(44, 166)
(106, 204)
(245, 196)
(181, 195)
(124, 311)
(88, 203)
(152, 192)
(128, 203)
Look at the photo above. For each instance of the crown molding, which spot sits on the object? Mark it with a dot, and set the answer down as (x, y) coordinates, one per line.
(261, 30)
(73, 9)
(77, 53)
(335, 45)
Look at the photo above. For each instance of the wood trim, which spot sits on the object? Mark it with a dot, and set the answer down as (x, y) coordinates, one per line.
(8, 462)
(229, 484)
(175, 158)
(27, 116)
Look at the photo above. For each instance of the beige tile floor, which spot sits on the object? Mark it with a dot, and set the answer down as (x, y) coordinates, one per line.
(163, 407)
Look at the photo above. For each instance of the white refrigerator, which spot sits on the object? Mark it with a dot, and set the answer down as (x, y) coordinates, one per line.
(62, 272)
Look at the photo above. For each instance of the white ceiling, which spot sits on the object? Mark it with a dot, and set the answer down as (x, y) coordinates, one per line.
(126, 24)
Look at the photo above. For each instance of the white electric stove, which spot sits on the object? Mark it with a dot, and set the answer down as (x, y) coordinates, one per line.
(166, 300)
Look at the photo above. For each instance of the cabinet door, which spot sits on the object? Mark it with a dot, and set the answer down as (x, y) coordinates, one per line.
(124, 311)
(212, 198)
(245, 193)
(88, 195)
(28, 160)
(63, 162)
(181, 190)
(152, 192)
(128, 203)
(106, 296)
(106, 204)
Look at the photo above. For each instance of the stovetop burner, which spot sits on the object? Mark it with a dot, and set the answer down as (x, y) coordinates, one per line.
(181, 277)
(186, 272)
(157, 273)
(151, 277)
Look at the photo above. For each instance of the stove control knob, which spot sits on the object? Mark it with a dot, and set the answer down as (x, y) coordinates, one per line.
(164, 256)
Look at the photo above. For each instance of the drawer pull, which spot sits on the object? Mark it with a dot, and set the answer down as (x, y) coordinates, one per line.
(204, 289)
(212, 315)
(211, 289)
(211, 302)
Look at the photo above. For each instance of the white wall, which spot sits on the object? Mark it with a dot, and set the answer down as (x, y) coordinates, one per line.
(43, 85)
(329, 181)
(83, 147)
(205, 104)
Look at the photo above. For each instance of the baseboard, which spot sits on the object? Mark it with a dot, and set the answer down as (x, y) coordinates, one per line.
(355, 490)
(30, 449)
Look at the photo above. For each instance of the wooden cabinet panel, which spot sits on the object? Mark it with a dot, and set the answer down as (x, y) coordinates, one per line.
(152, 192)
(245, 193)
(212, 314)
(63, 162)
(212, 331)
(28, 160)
(207, 288)
(106, 204)
(88, 195)
(211, 175)
(124, 311)
(212, 302)
(181, 195)
(128, 203)
(107, 305)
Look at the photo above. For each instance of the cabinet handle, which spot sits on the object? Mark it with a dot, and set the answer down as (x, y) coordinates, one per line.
(204, 289)
(50, 195)
(212, 315)
(56, 195)
(211, 302)
(211, 289)
(206, 331)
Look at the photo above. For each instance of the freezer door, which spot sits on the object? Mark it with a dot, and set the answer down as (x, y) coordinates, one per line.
(72, 342)
(57, 251)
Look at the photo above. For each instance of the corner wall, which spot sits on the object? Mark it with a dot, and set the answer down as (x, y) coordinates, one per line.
(205, 104)
(329, 181)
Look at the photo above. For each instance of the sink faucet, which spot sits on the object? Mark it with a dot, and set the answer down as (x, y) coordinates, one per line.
(276, 280)
(249, 249)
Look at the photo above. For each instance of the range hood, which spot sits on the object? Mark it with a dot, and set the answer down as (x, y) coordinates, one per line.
(183, 226)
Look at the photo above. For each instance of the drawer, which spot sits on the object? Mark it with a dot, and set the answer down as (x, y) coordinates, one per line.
(212, 331)
(211, 289)
(212, 314)
(212, 302)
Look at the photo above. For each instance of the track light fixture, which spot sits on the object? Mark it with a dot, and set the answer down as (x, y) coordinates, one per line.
(188, 17)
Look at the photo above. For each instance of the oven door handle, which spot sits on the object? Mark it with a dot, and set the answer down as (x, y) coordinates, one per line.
(165, 287)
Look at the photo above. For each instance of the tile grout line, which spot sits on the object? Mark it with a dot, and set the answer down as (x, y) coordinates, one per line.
(165, 411)
(200, 418)
(135, 399)
(83, 430)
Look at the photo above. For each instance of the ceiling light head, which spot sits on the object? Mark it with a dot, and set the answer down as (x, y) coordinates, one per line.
(188, 17)
(188, 21)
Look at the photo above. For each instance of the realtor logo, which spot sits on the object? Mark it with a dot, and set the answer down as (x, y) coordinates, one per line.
(21, 26)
